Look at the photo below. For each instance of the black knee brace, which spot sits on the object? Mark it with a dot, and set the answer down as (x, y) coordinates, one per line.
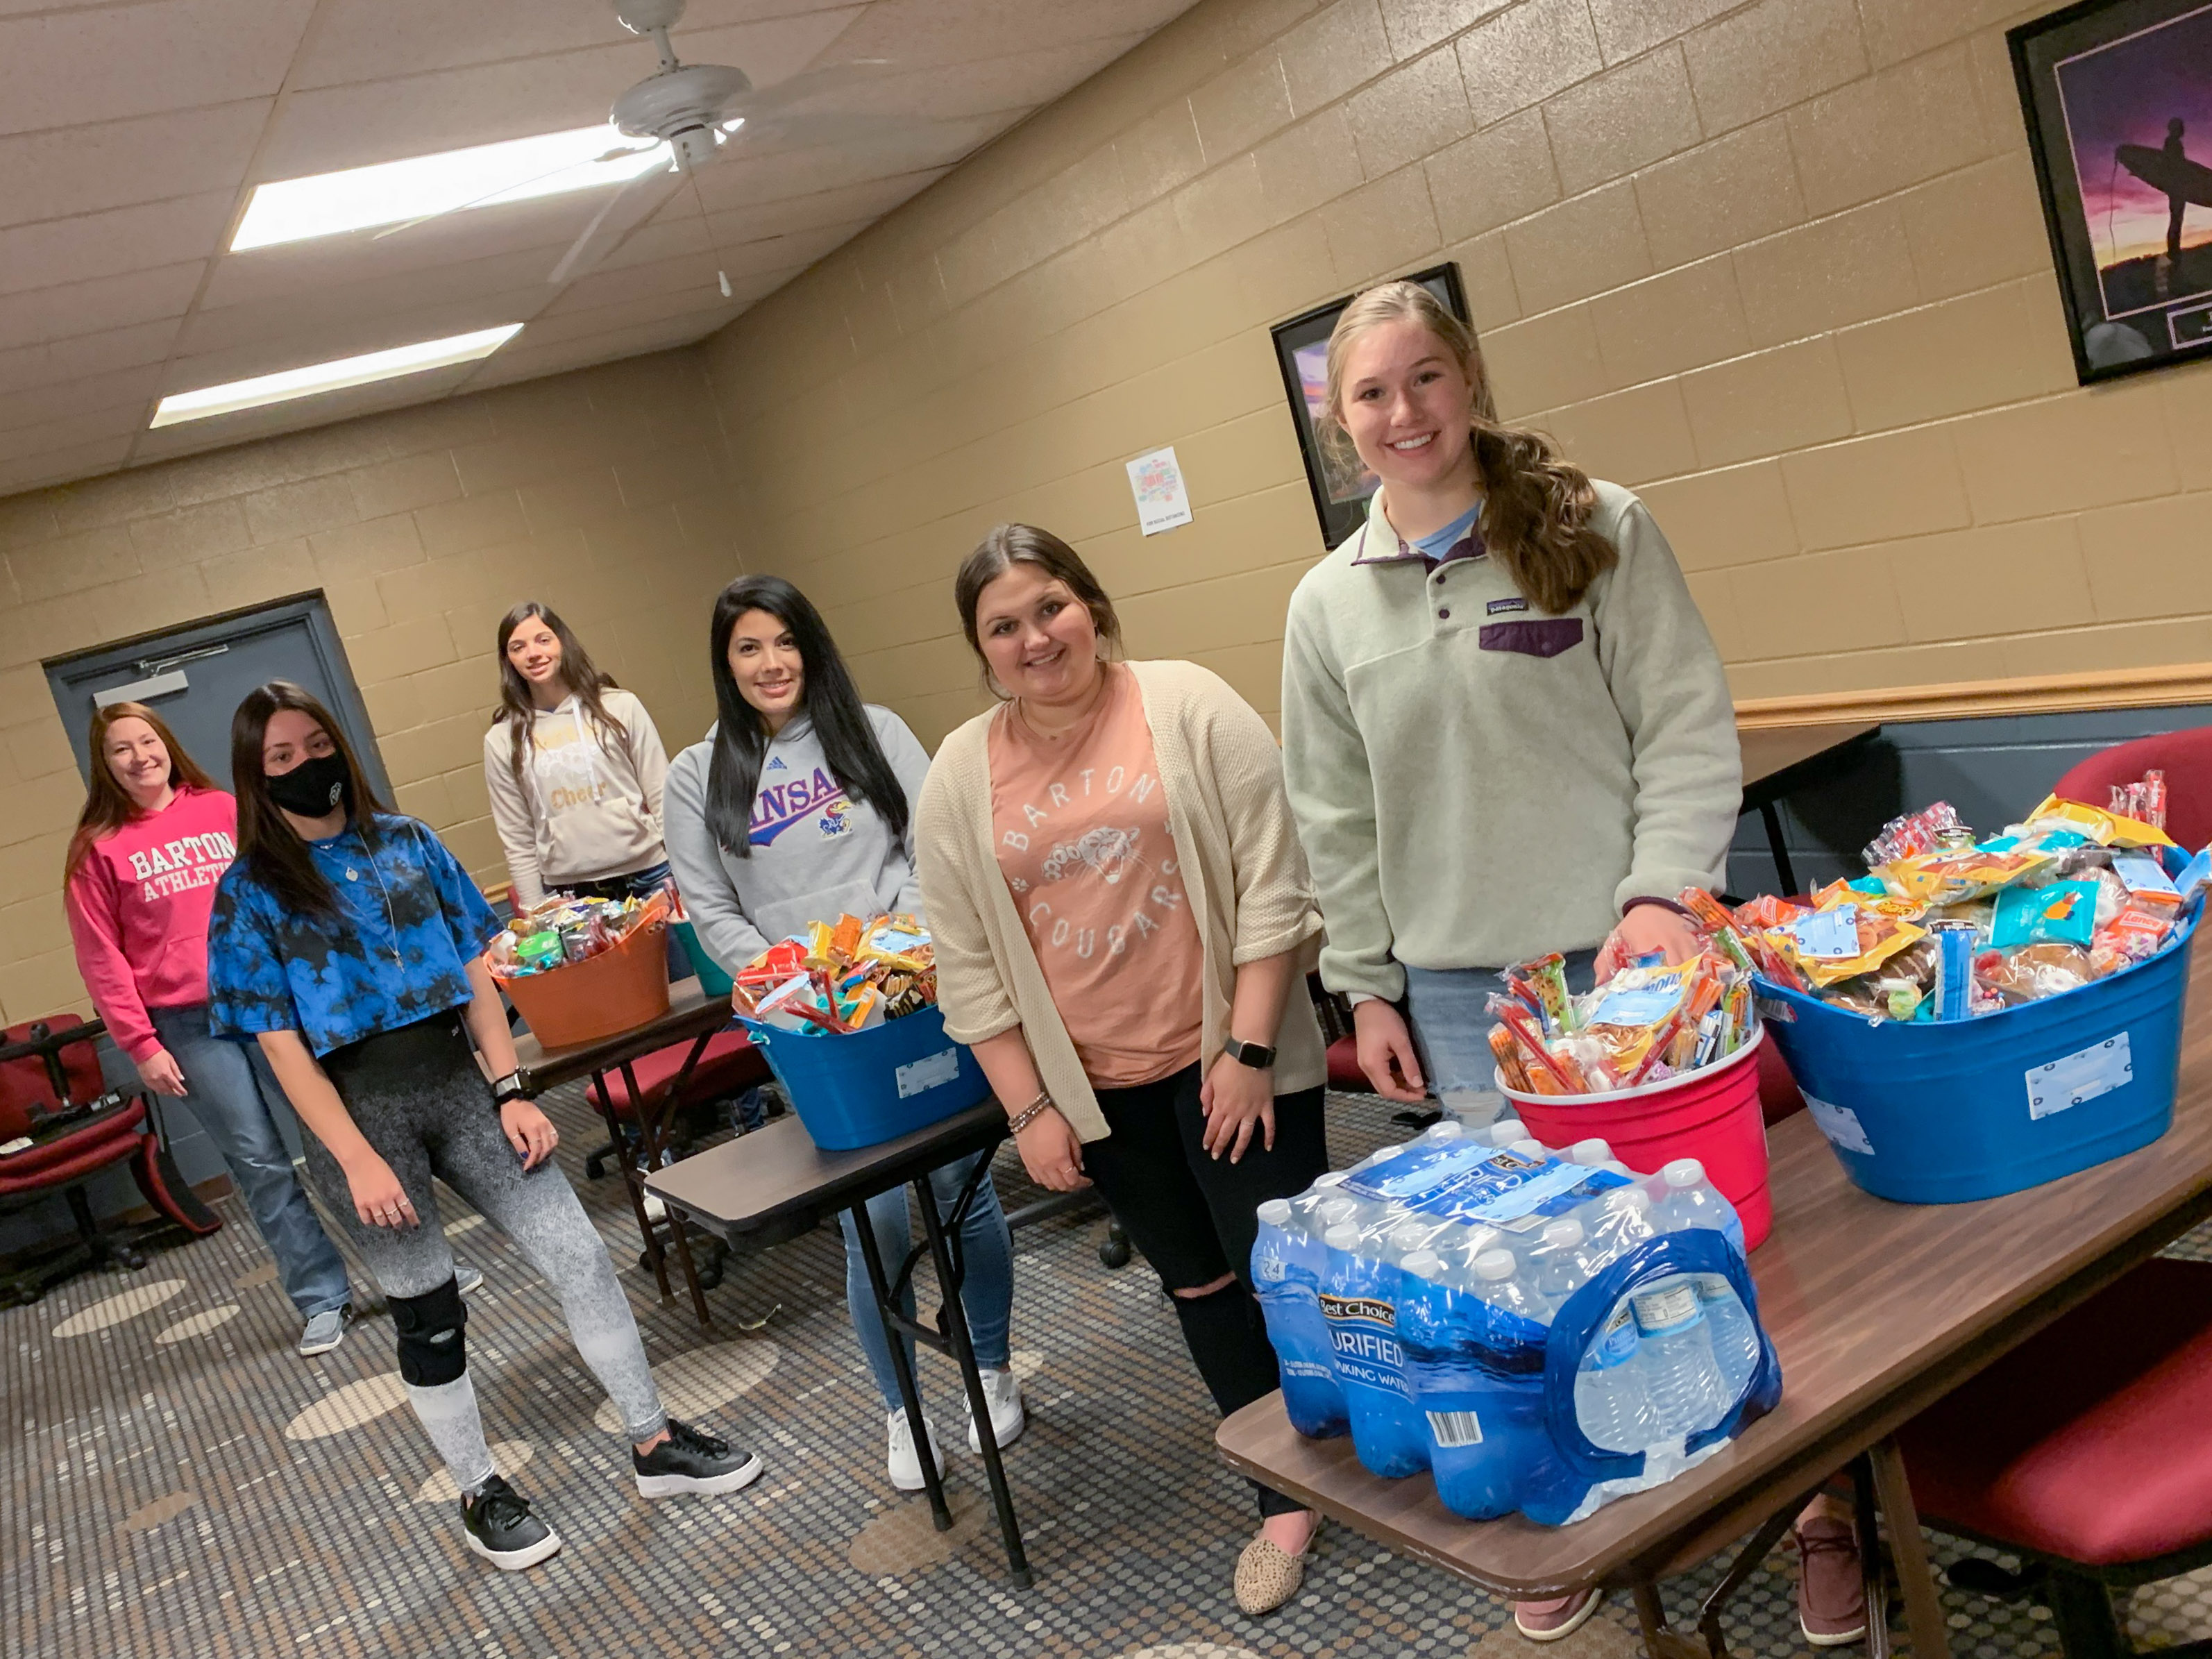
(432, 1345)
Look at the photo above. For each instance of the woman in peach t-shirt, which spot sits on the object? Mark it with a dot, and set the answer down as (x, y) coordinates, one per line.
(1122, 917)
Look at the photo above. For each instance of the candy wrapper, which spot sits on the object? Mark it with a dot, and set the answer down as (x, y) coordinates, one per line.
(850, 975)
(565, 930)
(2106, 829)
(1911, 834)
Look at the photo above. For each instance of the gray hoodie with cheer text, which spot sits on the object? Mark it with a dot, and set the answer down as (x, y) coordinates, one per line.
(816, 852)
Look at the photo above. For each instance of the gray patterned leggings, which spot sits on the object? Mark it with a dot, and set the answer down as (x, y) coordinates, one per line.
(418, 1097)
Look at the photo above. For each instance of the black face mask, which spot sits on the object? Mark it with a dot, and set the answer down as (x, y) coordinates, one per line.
(312, 789)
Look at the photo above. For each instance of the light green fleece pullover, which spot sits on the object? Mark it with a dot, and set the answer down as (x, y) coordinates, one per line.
(1477, 783)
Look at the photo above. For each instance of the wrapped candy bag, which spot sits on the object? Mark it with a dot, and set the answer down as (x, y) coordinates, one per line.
(2106, 827)
(840, 976)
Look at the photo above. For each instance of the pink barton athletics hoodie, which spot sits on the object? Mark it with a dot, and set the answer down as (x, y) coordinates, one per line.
(138, 910)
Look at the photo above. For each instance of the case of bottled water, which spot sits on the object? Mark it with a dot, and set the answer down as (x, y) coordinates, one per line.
(1540, 1334)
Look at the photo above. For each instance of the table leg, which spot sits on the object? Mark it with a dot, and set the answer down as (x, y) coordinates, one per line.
(1924, 1609)
(1864, 1519)
(652, 1119)
(1783, 872)
(955, 1332)
(627, 1166)
(1747, 1562)
(901, 1365)
(1661, 1639)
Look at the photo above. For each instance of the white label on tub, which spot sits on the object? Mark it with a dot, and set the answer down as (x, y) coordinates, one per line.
(928, 1072)
(1841, 1125)
(1776, 1008)
(2083, 1075)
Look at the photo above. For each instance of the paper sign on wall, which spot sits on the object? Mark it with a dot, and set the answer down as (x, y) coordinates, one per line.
(1157, 480)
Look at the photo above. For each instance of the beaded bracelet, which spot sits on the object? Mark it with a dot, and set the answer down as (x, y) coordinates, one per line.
(1030, 1112)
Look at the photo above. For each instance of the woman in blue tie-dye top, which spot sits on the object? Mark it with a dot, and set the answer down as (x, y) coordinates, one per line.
(347, 941)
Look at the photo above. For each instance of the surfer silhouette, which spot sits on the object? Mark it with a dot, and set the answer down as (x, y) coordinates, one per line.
(2176, 202)
(2168, 170)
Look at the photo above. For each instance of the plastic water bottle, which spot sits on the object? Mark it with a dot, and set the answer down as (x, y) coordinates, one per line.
(1596, 1153)
(1612, 1402)
(1688, 1199)
(1562, 1260)
(1507, 1130)
(1486, 1430)
(1735, 1338)
(1528, 1147)
(1618, 1223)
(1359, 1300)
(1286, 1265)
(1499, 1281)
(1679, 1372)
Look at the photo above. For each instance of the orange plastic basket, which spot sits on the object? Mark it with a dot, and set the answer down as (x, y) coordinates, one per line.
(602, 996)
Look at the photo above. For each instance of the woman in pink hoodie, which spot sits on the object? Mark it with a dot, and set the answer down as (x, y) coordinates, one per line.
(153, 838)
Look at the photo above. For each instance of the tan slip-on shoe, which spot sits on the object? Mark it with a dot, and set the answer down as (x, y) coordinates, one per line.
(1267, 1576)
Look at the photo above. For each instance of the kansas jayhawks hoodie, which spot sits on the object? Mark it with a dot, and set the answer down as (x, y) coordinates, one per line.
(816, 854)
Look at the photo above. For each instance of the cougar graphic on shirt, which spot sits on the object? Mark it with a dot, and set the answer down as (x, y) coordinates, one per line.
(1109, 851)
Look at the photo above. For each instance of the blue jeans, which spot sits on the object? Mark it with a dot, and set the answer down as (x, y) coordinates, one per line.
(1451, 1026)
(234, 1095)
(987, 1252)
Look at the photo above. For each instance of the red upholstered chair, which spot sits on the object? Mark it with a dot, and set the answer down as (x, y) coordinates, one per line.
(50, 1065)
(730, 1066)
(2088, 1451)
(2186, 757)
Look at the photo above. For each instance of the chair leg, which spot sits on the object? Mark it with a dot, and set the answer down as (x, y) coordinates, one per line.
(2082, 1611)
(106, 1246)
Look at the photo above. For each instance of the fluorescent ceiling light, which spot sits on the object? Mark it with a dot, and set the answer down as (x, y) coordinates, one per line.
(332, 376)
(392, 193)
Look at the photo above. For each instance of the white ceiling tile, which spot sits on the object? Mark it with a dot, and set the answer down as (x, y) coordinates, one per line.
(43, 437)
(549, 331)
(122, 239)
(59, 314)
(109, 164)
(920, 33)
(598, 348)
(110, 63)
(869, 199)
(511, 283)
(64, 465)
(691, 273)
(88, 353)
(123, 388)
(794, 251)
(661, 238)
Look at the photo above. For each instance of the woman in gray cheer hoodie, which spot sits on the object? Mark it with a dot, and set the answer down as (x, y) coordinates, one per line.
(798, 808)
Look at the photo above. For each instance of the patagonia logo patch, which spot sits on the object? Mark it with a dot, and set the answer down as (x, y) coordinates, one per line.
(1496, 605)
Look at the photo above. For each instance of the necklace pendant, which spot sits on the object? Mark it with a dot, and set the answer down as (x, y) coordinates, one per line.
(352, 874)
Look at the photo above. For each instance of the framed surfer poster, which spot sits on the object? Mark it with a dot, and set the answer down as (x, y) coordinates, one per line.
(2117, 95)
(1340, 485)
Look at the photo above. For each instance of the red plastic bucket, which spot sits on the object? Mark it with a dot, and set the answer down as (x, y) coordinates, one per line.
(1711, 1114)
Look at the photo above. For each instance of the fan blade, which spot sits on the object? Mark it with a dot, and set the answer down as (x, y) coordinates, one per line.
(501, 190)
(630, 207)
(762, 105)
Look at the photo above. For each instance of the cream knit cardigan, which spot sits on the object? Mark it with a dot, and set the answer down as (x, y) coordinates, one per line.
(1243, 869)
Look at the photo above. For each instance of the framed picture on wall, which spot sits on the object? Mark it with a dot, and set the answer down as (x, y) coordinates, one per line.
(2117, 95)
(1341, 487)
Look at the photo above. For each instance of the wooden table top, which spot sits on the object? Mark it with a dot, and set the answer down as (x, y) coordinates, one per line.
(774, 1182)
(691, 1013)
(1777, 759)
(1876, 1308)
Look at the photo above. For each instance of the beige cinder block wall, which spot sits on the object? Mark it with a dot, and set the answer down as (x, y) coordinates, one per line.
(605, 492)
(1779, 266)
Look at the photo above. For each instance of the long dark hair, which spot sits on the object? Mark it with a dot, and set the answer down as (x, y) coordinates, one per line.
(108, 804)
(269, 847)
(1536, 504)
(1010, 545)
(577, 672)
(855, 758)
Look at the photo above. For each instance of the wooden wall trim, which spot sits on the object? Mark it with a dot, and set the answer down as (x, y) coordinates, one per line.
(2042, 694)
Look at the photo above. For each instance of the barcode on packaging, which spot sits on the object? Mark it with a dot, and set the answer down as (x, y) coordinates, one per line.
(1451, 1430)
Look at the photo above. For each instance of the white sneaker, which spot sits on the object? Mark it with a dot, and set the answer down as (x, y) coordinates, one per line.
(324, 1332)
(1002, 1392)
(655, 1209)
(905, 1465)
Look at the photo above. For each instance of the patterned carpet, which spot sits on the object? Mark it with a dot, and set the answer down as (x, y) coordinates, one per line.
(175, 1481)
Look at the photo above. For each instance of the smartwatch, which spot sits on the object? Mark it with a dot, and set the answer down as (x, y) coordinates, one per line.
(1258, 1056)
(508, 1088)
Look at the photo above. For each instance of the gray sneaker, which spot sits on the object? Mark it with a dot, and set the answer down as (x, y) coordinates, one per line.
(325, 1332)
(467, 1280)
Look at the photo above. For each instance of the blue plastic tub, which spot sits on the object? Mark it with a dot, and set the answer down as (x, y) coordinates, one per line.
(866, 1087)
(712, 979)
(1939, 1114)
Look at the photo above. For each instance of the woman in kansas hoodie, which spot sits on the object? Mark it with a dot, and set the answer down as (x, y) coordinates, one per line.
(798, 808)
(574, 767)
(153, 838)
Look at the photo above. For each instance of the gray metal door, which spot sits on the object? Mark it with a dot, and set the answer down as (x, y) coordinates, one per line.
(196, 676)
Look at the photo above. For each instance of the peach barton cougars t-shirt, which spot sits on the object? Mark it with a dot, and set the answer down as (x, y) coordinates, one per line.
(1083, 841)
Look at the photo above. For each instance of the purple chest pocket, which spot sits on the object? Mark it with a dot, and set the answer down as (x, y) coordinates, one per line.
(1535, 637)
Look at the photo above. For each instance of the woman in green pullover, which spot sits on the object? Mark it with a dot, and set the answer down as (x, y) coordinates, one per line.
(1506, 729)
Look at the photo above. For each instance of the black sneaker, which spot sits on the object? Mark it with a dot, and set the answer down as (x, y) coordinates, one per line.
(689, 1461)
(500, 1527)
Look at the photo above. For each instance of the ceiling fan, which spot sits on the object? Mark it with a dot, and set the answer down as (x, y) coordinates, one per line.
(695, 115)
